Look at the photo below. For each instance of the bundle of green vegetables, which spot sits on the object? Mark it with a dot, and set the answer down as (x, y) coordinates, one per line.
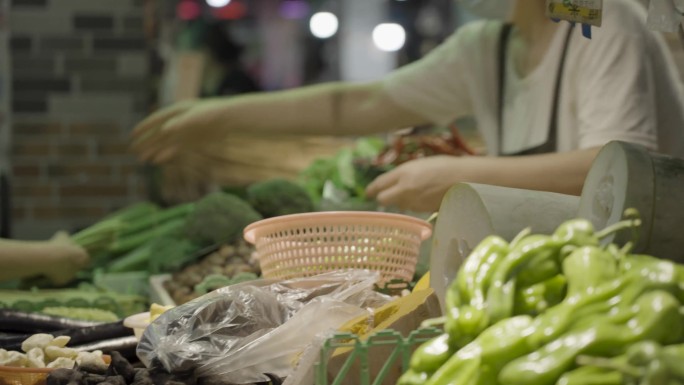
(148, 238)
(145, 237)
(558, 309)
(347, 173)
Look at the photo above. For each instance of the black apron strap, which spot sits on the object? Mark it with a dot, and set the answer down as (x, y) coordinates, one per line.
(5, 207)
(506, 30)
(551, 144)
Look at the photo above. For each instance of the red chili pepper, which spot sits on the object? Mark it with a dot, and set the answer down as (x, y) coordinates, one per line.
(459, 142)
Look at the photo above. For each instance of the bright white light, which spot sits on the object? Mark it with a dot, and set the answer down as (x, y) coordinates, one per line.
(389, 37)
(323, 25)
(218, 3)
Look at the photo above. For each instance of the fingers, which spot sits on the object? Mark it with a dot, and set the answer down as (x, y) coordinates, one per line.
(164, 155)
(160, 148)
(381, 183)
(156, 133)
(392, 196)
(151, 144)
(387, 189)
(82, 259)
(60, 236)
(159, 118)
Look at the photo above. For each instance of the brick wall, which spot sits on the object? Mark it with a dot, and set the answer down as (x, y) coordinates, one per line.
(80, 70)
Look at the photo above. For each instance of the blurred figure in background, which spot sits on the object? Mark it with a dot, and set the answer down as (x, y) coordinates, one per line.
(218, 71)
(224, 73)
(545, 100)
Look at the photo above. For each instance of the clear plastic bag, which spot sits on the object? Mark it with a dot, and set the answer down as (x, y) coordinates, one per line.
(238, 333)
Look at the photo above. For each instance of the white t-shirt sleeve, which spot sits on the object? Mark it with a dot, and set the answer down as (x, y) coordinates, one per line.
(616, 91)
(436, 86)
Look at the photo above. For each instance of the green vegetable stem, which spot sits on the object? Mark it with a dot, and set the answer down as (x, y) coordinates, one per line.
(156, 219)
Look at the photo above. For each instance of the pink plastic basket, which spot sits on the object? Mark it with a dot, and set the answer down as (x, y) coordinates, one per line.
(303, 245)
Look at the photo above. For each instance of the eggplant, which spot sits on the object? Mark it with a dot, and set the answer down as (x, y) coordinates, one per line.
(94, 333)
(79, 336)
(18, 321)
(125, 346)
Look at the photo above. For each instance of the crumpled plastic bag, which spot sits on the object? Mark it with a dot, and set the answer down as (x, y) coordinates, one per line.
(238, 333)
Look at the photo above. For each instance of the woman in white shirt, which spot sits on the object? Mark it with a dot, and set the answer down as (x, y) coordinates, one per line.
(545, 100)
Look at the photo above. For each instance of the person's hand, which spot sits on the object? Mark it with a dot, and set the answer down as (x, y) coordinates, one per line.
(419, 185)
(63, 259)
(184, 126)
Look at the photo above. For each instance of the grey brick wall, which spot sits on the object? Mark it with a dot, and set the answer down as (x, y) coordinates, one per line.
(80, 83)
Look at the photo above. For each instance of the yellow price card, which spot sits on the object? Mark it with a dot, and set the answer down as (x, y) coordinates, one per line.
(578, 11)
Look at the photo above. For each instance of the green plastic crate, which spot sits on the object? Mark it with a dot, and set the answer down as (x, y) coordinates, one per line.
(401, 350)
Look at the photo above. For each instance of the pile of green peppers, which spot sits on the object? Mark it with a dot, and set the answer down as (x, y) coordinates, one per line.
(645, 362)
(521, 313)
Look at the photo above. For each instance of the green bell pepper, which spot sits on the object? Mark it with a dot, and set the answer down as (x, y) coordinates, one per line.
(645, 362)
(413, 378)
(431, 355)
(673, 357)
(558, 319)
(540, 268)
(465, 299)
(538, 298)
(656, 316)
(501, 293)
(496, 346)
(487, 252)
(484, 277)
(591, 375)
(576, 232)
(587, 267)
(462, 368)
(464, 324)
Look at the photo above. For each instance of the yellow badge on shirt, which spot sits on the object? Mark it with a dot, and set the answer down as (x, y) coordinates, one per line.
(577, 11)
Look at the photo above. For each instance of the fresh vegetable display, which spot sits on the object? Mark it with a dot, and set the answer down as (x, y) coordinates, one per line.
(144, 237)
(528, 312)
(228, 265)
(645, 362)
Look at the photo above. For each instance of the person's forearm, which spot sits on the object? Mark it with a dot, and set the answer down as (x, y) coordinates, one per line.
(559, 172)
(326, 109)
(21, 259)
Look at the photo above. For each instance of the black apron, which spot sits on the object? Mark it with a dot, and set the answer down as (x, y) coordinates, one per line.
(551, 144)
